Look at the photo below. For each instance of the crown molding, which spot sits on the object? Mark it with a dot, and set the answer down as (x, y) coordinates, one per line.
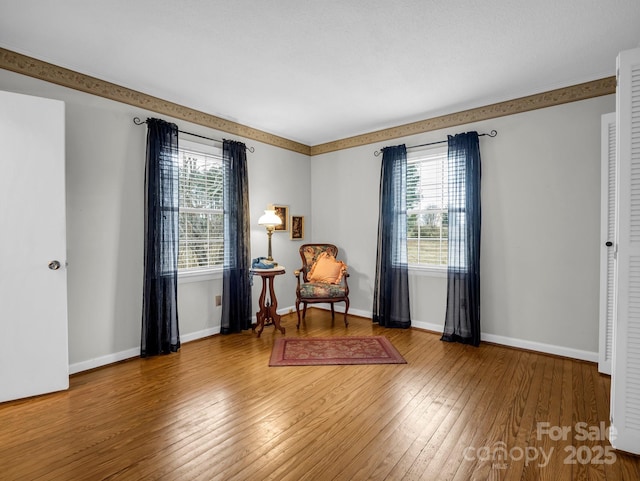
(583, 91)
(32, 67)
(35, 68)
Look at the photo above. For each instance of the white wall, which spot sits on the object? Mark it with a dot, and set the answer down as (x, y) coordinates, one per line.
(541, 209)
(279, 177)
(540, 227)
(105, 224)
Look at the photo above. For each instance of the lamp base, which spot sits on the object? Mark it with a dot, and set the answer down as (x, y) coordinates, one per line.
(269, 234)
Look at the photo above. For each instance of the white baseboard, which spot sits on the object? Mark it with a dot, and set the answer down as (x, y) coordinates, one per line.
(103, 360)
(502, 340)
(427, 326)
(521, 343)
(542, 347)
(194, 336)
(340, 308)
(133, 352)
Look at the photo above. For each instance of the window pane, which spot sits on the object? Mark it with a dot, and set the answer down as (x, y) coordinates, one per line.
(200, 181)
(201, 240)
(201, 215)
(427, 219)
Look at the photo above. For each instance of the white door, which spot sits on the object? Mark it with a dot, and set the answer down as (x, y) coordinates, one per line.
(625, 362)
(34, 355)
(607, 241)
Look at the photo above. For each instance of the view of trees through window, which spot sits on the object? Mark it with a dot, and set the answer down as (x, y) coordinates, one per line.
(427, 217)
(201, 210)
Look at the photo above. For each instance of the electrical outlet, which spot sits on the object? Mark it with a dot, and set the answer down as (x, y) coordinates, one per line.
(218, 301)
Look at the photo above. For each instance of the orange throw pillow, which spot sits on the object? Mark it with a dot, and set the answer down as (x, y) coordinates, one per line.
(327, 269)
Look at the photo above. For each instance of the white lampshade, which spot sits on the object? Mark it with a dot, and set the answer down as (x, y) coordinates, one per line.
(269, 218)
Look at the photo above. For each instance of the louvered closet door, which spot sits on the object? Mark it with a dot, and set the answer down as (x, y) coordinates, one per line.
(607, 241)
(625, 385)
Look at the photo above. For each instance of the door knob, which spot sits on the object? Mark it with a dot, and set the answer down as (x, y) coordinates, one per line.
(54, 265)
(608, 243)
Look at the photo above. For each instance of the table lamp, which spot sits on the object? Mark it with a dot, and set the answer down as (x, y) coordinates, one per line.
(270, 219)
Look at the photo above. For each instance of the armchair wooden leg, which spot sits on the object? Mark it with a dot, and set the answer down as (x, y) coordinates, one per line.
(346, 309)
(298, 312)
(332, 312)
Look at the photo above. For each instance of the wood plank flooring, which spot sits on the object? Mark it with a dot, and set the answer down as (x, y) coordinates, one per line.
(217, 411)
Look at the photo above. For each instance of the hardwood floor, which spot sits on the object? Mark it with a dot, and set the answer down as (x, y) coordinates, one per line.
(217, 411)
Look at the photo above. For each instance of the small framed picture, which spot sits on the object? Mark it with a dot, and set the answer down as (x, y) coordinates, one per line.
(282, 211)
(297, 227)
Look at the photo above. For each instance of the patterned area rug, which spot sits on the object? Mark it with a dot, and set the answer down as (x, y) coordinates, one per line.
(316, 351)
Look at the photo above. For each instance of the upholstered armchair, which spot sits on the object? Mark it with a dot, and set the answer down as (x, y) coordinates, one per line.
(321, 279)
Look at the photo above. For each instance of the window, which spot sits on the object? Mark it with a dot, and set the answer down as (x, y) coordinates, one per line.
(201, 210)
(427, 216)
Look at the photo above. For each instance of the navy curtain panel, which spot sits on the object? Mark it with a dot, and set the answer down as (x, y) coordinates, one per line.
(160, 296)
(236, 286)
(391, 284)
(462, 321)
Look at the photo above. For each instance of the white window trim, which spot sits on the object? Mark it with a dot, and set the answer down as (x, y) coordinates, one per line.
(197, 275)
(209, 273)
(419, 270)
(427, 270)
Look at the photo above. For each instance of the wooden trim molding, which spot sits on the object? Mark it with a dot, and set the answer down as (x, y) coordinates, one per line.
(32, 67)
(560, 96)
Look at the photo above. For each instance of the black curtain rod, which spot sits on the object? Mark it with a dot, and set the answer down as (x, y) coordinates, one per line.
(137, 121)
(493, 133)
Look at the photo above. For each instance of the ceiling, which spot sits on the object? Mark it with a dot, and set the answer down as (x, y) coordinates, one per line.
(315, 72)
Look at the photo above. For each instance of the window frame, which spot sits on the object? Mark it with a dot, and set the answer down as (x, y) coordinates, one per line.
(186, 275)
(431, 153)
